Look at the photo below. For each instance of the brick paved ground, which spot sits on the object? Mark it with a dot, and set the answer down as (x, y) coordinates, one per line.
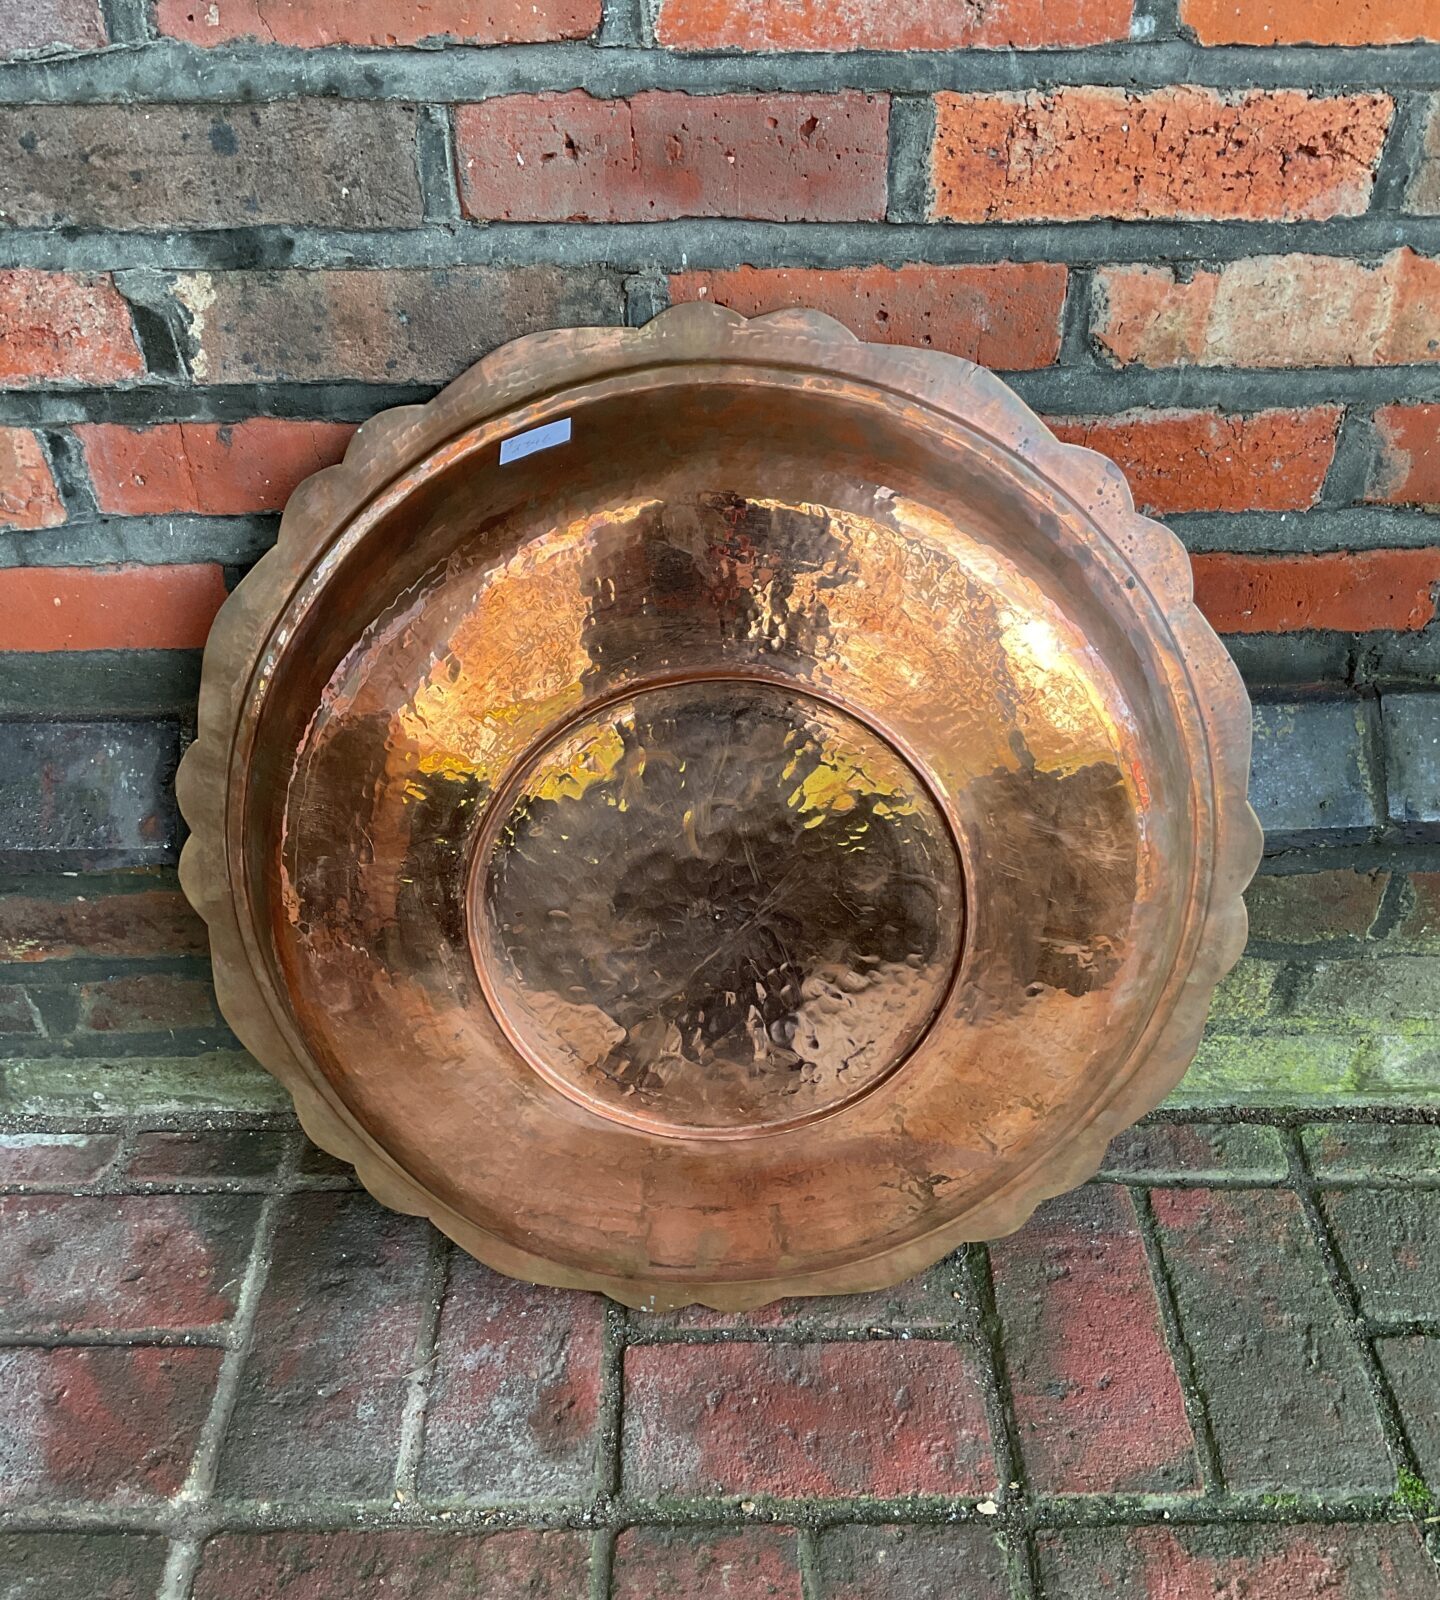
(226, 1373)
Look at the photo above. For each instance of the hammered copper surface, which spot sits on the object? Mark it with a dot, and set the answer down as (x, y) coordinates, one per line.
(780, 828)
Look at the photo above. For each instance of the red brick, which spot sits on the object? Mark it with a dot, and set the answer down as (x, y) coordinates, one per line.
(514, 1410)
(58, 327)
(1347, 591)
(19, 1013)
(876, 25)
(1005, 315)
(1198, 1152)
(716, 1564)
(322, 1394)
(215, 1156)
(1311, 21)
(572, 158)
(942, 1563)
(1096, 1397)
(100, 1424)
(880, 1418)
(1407, 471)
(399, 326)
(1208, 461)
(1313, 907)
(147, 922)
(145, 1002)
(400, 1566)
(1260, 154)
(310, 24)
(1287, 1396)
(122, 1262)
(1344, 1562)
(82, 1566)
(48, 27)
(109, 608)
(55, 1159)
(214, 469)
(28, 495)
(1390, 1239)
(1273, 311)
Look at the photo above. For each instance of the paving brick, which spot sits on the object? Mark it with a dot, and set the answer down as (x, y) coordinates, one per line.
(1345, 1562)
(884, 1563)
(1392, 1152)
(210, 166)
(216, 1156)
(1390, 1242)
(1097, 1401)
(1182, 151)
(1286, 1393)
(1272, 311)
(713, 1564)
(314, 23)
(1197, 1152)
(1406, 469)
(1213, 461)
(109, 608)
(401, 325)
(50, 27)
(795, 1420)
(1351, 591)
(81, 1566)
(1412, 740)
(874, 25)
(146, 1002)
(410, 1565)
(1314, 907)
(29, 497)
(1004, 314)
(58, 1159)
(92, 794)
(573, 158)
(1308, 771)
(121, 1262)
(322, 1393)
(214, 469)
(101, 1424)
(1413, 1368)
(148, 922)
(59, 327)
(514, 1410)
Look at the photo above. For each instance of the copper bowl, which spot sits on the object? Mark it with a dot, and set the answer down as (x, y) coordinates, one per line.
(719, 810)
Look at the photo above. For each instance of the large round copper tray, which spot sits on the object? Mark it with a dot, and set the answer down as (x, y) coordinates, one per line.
(719, 810)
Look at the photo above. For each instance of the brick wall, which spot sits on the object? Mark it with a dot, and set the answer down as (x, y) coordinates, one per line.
(1200, 235)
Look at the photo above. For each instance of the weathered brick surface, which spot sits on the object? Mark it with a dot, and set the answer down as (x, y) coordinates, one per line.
(874, 25)
(1352, 592)
(145, 1002)
(401, 326)
(1096, 1397)
(1396, 1153)
(1180, 152)
(1419, 926)
(1272, 311)
(1407, 466)
(714, 1564)
(882, 1563)
(514, 1406)
(216, 469)
(322, 1394)
(109, 608)
(573, 158)
(59, 327)
(1310, 21)
(1197, 1152)
(146, 922)
(1392, 993)
(1309, 769)
(29, 497)
(123, 1262)
(401, 1566)
(50, 27)
(215, 1157)
(101, 1424)
(1413, 1368)
(839, 1419)
(1285, 1391)
(1208, 461)
(55, 1158)
(1424, 192)
(312, 23)
(217, 166)
(1314, 907)
(1005, 315)
(1346, 1562)
(1390, 1241)
(81, 1566)
(1412, 727)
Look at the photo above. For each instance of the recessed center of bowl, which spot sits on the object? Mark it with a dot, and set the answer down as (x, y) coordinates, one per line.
(716, 906)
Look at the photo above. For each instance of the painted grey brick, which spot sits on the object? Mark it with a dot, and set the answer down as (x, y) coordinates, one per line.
(1309, 770)
(1412, 735)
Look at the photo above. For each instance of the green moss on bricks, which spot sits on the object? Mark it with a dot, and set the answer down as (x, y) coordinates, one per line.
(223, 1080)
(1394, 994)
(1411, 1492)
(1272, 1069)
(1245, 993)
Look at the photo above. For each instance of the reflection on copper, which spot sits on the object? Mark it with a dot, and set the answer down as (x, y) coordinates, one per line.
(780, 830)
